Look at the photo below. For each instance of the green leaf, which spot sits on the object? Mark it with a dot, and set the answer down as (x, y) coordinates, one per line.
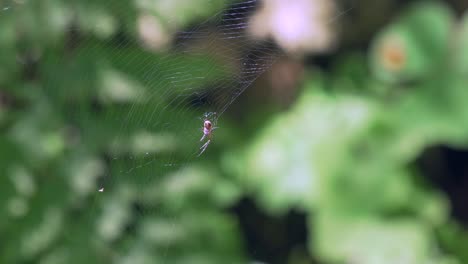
(409, 49)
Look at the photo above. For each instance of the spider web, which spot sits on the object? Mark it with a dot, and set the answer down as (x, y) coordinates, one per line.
(183, 95)
(141, 111)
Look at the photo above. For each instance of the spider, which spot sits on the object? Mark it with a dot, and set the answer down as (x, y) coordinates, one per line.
(207, 131)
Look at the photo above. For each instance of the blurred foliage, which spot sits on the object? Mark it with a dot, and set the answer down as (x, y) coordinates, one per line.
(77, 108)
(346, 150)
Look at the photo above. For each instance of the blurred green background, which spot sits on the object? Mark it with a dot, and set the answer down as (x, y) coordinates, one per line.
(343, 131)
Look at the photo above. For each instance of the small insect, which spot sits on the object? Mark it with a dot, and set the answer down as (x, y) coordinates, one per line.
(207, 131)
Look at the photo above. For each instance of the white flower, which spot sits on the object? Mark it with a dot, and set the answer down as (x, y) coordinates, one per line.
(298, 26)
(152, 33)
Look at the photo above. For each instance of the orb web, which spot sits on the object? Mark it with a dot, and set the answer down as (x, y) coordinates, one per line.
(132, 82)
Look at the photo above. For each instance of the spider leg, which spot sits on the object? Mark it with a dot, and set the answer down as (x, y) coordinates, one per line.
(203, 137)
(206, 144)
(203, 148)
